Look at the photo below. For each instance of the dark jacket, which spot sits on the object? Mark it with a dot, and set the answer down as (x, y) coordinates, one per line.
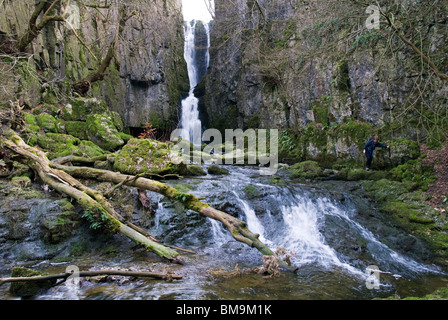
(370, 146)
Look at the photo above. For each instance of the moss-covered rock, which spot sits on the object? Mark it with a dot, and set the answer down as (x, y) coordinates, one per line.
(22, 181)
(77, 129)
(251, 192)
(415, 173)
(31, 129)
(214, 169)
(408, 210)
(88, 149)
(61, 145)
(357, 174)
(194, 170)
(306, 170)
(60, 227)
(20, 170)
(29, 288)
(145, 156)
(58, 145)
(47, 108)
(126, 137)
(400, 152)
(79, 109)
(46, 122)
(102, 131)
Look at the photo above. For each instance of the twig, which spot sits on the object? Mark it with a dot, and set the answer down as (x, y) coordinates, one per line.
(80, 40)
(65, 275)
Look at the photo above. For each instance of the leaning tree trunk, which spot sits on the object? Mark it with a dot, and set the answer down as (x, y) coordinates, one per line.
(61, 178)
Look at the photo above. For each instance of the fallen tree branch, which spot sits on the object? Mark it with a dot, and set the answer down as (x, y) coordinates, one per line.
(94, 273)
(93, 202)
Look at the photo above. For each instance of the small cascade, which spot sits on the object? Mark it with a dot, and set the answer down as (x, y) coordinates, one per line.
(253, 223)
(302, 220)
(298, 220)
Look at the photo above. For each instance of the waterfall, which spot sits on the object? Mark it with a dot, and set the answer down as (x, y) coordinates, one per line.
(197, 64)
(298, 221)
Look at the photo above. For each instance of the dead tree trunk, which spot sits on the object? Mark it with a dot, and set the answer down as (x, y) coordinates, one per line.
(237, 228)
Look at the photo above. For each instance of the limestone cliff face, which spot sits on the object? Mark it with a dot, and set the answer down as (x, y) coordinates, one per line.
(147, 83)
(287, 64)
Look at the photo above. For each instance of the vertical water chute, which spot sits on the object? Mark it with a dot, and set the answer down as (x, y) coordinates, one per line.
(196, 54)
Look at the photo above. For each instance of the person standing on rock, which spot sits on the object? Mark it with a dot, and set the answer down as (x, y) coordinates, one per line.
(370, 147)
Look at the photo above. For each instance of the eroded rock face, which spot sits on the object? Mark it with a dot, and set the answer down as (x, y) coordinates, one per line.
(279, 71)
(145, 85)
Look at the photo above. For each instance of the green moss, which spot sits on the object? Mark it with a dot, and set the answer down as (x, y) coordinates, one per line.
(342, 79)
(29, 288)
(146, 156)
(183, 187)
(214, 169)
(116, 120)
(22, 181)
(194, 170)
(78, 248)
(439, 294)
(58, 145)
(384, 189)
(321, 110)
(77, 129)
(407, 210)
(415, 173)
(102, 131)
(357, 132)
(46, 122)
(30, 118)
(47, 108)
(60, 126)
(251, 191)
(81, 108)
(89, 150)
(60, 227)
(306, 170)
(124, 136)
(31, 129)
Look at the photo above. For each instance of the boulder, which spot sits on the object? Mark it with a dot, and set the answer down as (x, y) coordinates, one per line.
(145, 156)
(101, 130)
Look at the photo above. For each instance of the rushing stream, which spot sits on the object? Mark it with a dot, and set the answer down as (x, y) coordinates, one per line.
(322, 227)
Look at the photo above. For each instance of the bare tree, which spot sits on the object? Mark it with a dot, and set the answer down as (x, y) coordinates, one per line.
(35, 26)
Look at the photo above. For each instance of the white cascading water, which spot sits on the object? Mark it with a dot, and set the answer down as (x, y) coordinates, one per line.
(190, 121)
(300, 233)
